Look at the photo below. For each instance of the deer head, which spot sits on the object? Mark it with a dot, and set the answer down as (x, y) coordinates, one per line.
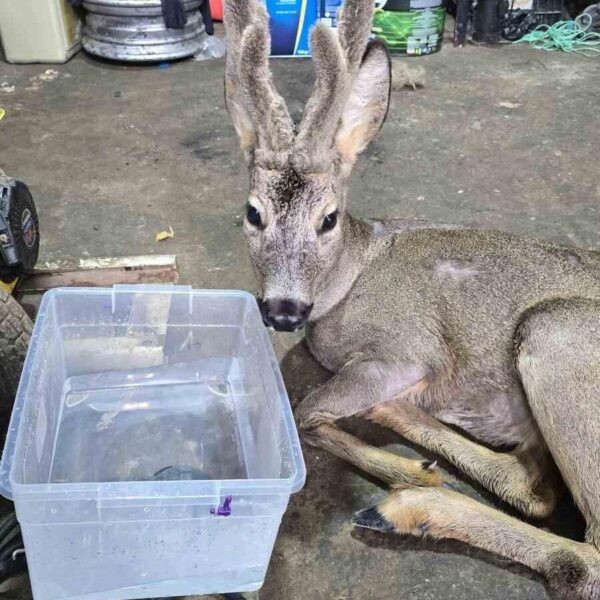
(296, 224)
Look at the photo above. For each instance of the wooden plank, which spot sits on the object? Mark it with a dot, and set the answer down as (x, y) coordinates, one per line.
(102, 272)
(107, 262)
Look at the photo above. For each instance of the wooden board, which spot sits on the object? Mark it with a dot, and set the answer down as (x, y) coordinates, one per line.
(101, 272)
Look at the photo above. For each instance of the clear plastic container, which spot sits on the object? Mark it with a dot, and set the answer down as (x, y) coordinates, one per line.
(152, 449)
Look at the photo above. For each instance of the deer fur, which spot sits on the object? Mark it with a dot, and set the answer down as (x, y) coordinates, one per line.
(423, 326)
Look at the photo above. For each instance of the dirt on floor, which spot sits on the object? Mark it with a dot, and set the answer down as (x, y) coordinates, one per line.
(501, 137)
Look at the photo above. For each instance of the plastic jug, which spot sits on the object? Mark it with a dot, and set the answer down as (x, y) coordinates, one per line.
(32, 31)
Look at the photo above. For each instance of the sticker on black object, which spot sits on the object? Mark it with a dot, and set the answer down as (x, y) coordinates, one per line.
(28, 228)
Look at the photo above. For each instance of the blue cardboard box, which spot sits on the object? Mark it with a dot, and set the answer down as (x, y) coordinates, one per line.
(328, 10)
(291, 21)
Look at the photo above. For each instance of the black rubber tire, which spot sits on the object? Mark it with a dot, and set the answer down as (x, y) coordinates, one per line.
(22, 209)
(15, 333)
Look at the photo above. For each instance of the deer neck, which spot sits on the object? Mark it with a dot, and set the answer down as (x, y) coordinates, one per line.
(357, 252)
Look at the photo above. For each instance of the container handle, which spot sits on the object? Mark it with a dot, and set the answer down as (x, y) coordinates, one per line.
(149, 288)
(5, 487)
(7, 456)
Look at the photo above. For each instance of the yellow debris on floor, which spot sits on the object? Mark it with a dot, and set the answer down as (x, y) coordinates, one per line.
(165, 235)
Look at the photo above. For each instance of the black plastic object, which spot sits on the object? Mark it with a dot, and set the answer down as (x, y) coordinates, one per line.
(207, 17)
(173, 14)
(462, 12)
(521, 21)
(517, 24)
(547, 12)
(19, 229)
(180, 474)
(488, 18)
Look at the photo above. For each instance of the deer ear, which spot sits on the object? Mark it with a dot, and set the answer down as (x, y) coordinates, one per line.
(259, 114)
(240, 116)
(366, 107)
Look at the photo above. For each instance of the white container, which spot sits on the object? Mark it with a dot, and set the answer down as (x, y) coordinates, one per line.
(46, 31)
(142, 410)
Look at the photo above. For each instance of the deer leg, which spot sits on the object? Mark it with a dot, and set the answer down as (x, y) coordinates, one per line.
(518, 479)
(558, 359)
(356, 388)
(383, 465)
(571, 567)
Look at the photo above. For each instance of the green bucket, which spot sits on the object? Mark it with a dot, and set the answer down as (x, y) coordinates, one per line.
(411, 27)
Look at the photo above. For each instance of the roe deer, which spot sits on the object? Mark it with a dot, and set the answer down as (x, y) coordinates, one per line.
(423, 326)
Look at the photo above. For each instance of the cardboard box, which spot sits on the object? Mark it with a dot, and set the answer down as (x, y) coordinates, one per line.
(292, 20)
(328, 10)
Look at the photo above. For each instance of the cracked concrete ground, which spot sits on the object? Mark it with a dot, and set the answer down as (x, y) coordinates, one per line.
(499, 137)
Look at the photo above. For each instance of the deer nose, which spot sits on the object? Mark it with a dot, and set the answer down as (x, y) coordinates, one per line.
(283, 314)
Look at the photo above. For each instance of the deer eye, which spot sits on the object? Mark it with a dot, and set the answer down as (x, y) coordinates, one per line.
(330, 221)
(253, 216)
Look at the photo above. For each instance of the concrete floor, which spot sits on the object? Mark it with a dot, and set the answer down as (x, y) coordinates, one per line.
(504, 138)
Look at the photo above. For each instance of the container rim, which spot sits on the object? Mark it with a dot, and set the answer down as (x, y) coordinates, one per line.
(144, 489)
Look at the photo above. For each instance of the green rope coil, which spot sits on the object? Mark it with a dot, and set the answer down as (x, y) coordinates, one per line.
(568, 36)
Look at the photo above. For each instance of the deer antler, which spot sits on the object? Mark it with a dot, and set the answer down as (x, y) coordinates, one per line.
(258, 111)
(337, 59)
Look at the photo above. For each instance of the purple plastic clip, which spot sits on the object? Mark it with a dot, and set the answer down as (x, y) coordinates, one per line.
(224, 510)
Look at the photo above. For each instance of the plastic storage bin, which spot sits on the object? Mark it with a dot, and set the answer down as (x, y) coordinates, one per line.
(39, 30)
(152, 449)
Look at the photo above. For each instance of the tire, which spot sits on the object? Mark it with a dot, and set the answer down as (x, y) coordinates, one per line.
(25, 228)
(15, 333)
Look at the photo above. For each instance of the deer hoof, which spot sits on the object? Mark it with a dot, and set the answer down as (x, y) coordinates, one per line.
(371, 518)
